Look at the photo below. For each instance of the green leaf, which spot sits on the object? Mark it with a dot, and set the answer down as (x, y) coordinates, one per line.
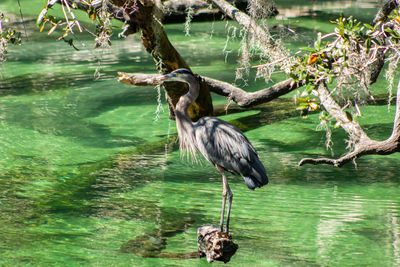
(388, 30)
(308, 49)
(52, 3)
(376, 41)
(302, 100)
(41, 28)
(41, 16)
(52, 18)
(52, 29)
(368, 44)
(368, 26)
(300, 108)
(294, 76)
(310, 87)
(317, 44)
(349, 116)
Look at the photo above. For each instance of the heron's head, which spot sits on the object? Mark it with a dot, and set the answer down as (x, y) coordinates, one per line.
(179, 75)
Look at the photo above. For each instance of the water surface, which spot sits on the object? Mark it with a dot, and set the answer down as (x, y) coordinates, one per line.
(90, 174)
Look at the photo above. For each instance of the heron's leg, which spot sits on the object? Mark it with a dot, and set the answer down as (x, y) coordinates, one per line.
(230, 198)
(224, 191)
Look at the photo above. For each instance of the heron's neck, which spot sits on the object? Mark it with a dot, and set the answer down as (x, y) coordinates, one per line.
(187, 99)
(184, 123)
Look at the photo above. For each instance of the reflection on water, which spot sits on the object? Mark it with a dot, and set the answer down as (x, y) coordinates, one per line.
(288, 9)
(89, 178)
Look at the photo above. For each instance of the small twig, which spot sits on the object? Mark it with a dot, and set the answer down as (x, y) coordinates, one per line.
(65, 16)
(73, 16)
(328, 35)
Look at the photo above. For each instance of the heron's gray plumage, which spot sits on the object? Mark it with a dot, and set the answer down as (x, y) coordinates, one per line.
(221, 143)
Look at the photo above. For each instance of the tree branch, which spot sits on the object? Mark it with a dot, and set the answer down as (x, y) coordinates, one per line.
(395, 136)
(372, 147)
(146, 15)
(138, 79)
(363, 144)
(385, 11)
(241, 97)
(352, 127)
(246, 99)
(268, 45)
(382, 15)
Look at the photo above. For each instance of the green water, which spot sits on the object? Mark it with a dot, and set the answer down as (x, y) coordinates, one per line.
(90, 177)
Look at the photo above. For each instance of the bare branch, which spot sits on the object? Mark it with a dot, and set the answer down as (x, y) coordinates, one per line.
(363, 145)
(241, 97)
(138, 79)
(352, 127)
(371, 147)
(246, 99)
(335, 162)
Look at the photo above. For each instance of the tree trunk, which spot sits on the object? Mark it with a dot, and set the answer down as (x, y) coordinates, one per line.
(146, 16)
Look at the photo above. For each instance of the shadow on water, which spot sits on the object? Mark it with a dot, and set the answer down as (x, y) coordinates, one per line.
(268, 113)
(170, 223)
(70, 125)
(147, 155)
(71, 121)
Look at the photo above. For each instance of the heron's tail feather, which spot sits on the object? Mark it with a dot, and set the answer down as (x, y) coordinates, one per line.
(257, 177)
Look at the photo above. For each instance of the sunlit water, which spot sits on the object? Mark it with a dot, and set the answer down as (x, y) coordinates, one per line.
(90, 177)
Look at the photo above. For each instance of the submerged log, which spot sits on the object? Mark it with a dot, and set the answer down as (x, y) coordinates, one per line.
(214, 244)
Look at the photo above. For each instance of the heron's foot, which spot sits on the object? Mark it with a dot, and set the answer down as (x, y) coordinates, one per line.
(221, 229)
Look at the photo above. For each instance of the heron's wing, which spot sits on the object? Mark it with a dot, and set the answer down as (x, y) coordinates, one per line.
(223, 144)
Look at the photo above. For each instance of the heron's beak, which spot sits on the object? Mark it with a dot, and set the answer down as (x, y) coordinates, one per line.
(162, 78)
(168, 76)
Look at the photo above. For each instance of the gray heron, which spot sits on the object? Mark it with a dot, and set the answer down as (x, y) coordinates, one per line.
(221, 143)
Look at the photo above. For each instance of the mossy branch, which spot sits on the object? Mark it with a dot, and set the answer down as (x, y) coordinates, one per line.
(363, 145)
(236, 94)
